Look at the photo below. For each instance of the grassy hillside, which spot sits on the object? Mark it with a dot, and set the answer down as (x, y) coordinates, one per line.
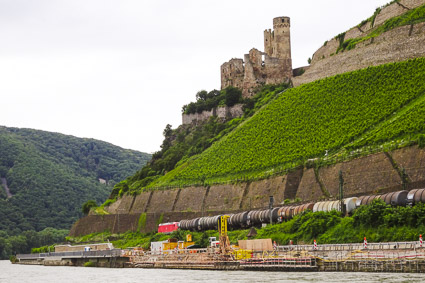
(51, 175)
(361, 108)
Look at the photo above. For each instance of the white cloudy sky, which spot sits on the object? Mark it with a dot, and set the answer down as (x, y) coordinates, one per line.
(120, 70)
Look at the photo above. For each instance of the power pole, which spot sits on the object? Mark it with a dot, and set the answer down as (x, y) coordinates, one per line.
(271, 201)
(341, 192)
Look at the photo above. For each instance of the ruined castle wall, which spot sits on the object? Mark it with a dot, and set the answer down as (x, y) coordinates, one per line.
(281, 38)
(268, 42)
(235, 111)
(197, 117)
(232, 73)
(277, 70)
(388, 12)
(393, 46)
(221, 112)
(358, 31)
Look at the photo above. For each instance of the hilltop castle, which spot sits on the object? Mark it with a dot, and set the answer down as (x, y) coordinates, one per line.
(273, 66)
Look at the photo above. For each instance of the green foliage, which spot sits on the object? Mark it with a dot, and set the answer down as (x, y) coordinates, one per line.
(142, 222)
(43, 249)
(340, 37)
(89, 264)
(160, 219)
(411, 17)
(51, 175)
(205, 101)
(408, 123)
(421, 141)
(108, 202)
(13, 259)
(181, 144)
(306, 121)
(28, 240)
(372, 19)
(87, 206)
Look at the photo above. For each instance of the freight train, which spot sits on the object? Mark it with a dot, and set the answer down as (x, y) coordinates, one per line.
(252, 218)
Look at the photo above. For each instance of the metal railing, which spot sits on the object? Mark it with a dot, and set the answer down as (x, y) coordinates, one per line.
(351, 247)
(78, 254)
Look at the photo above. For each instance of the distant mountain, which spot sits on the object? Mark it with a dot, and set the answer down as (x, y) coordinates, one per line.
(46, 177)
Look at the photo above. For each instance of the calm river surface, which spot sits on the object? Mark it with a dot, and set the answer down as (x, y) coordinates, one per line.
(46, 274)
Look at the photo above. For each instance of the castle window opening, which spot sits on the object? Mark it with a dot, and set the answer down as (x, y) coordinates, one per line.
(283, 20)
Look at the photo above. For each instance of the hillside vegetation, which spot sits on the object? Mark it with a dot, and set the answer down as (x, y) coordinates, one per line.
(329, 115)
(51, 175)
(189, 140)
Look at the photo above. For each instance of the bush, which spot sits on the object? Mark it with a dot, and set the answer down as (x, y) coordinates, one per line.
(421, 141)
(90, 264)
(87, 206)
(13, 259)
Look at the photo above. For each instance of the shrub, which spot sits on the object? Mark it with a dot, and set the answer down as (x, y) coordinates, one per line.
(87, 206)
(90, 264)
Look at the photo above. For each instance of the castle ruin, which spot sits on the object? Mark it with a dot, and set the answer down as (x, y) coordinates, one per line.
(273, 66)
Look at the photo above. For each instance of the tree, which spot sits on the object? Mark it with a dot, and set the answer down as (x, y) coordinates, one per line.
(167, 131)
(202, 95)
(233, 95)
(87, 206)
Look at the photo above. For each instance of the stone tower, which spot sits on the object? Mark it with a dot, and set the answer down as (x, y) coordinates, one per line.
(277, 43)
(273, 66)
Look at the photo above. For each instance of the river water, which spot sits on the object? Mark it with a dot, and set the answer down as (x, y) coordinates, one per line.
(55, 274)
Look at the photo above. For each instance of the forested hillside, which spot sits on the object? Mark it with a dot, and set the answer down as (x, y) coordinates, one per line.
(46, 177)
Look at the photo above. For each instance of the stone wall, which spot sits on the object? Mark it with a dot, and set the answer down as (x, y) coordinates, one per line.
(224, 197)
(141, 202)
(197, 118)
(232, 73)
(223, 112)
(396, 45)
(309, 188)
(258, 193)
(376, 173)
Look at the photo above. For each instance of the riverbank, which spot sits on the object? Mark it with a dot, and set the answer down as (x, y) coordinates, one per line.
(403, 257)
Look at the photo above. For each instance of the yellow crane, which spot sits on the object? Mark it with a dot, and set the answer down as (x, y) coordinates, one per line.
(223, 238)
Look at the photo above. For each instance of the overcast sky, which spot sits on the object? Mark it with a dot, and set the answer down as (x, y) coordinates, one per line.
(121, 70)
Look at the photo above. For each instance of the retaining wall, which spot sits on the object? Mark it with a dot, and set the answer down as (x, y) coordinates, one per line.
(376, 173)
